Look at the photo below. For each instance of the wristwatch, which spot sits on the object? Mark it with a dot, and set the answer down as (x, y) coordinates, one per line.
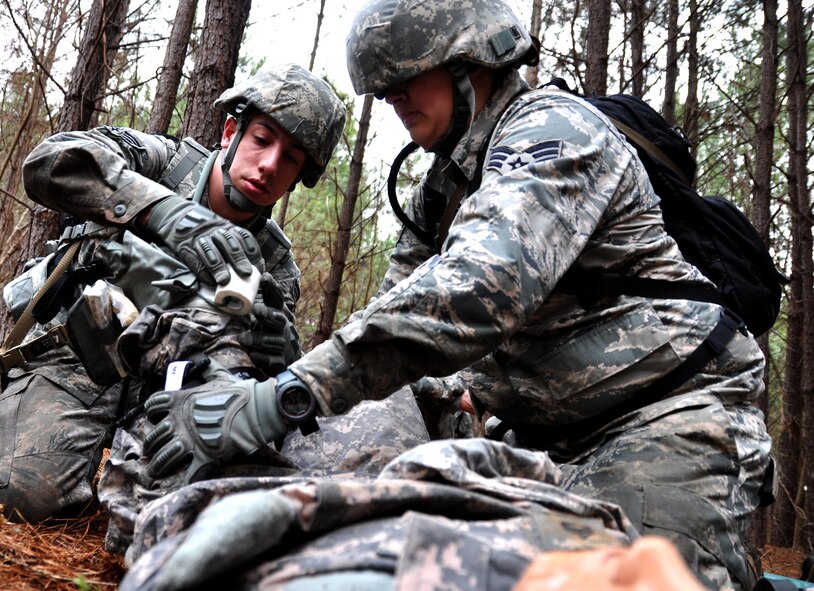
(296, 403)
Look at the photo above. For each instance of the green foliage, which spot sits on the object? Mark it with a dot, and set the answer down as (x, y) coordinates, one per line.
(311, 224)
(82, 584)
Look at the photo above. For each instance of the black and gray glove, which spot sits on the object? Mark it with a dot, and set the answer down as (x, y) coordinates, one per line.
(273, 343)
(210, 424)
(204, 241)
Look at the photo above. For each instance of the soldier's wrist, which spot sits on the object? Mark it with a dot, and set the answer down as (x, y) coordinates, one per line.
(295, 402)
(271, 424)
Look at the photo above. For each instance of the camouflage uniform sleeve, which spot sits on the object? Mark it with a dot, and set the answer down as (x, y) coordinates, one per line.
(287, 275)
(551, 171)
(106, 175)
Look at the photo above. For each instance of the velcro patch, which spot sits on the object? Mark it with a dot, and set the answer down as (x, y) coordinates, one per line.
(124, 134)
(504, 159)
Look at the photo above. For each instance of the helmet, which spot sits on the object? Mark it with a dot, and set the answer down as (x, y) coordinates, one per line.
(393, 40)
(303, 104)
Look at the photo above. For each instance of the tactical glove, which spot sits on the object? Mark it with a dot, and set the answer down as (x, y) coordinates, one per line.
(210, 424)
(204, 241)
(273, 343)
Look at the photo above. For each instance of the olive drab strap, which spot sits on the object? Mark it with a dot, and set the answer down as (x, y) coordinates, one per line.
(449, 213)
(649, 147)
(12, 355)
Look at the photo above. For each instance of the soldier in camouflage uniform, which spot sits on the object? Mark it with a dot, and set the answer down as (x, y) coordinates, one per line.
(166, 220)
(455, 514)
(546, 185)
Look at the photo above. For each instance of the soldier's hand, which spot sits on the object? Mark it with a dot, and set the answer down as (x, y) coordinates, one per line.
(273, 343)
(210, 424)
(204, 241)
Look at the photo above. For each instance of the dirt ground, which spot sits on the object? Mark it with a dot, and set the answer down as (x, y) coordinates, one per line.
(54, 556)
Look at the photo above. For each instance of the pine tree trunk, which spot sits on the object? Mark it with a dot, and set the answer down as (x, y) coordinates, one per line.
(532, 72)
(100, 42)
(668, 109)
(637, 19)
(89, 76)
(339, 254)
(790, 448)
(16, 213)
(167, 91)
(764, 157)
(801, 232)
(215, 66)
(596, 63)
(690, 123)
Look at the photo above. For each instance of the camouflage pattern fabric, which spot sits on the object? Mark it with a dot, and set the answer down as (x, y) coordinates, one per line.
(560, 188)
(54, 425)
(106, 175)
(56, 419)
(158, 337)
(690, 475)
(469, 514)
(360, 444)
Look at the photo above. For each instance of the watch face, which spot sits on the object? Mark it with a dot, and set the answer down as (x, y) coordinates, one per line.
(297, 403)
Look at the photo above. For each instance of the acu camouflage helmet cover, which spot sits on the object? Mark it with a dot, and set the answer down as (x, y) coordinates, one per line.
(304, 105)
(393, 40)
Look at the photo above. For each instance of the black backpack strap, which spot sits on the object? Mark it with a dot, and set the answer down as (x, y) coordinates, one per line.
(709, 349)
(590, 286)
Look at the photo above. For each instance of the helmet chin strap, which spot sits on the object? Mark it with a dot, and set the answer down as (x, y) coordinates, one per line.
(463, 109)
(234, 197)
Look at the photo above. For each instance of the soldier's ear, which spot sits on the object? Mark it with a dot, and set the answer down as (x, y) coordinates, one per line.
(229, 129)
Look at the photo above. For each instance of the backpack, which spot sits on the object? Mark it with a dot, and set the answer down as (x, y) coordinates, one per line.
(711, 232)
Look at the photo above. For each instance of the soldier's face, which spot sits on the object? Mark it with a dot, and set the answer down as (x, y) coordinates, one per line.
(424, 104)
(268, 159)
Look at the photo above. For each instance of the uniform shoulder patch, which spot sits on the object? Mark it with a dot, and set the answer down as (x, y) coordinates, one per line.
(504, 159)
(123, 134)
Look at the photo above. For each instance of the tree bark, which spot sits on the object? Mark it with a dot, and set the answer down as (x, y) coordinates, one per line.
(791, 452)
(637, 19)
(668, 108)
(94, 64)
(596, 66)
(16, 221)
(89, 77)
(690, 123)
(764, 157)
(801, 232)
(532, 72)
(168, 82)
(341, 246)
(214, 70)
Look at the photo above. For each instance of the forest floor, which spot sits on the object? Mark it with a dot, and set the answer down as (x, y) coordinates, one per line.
(69, 555)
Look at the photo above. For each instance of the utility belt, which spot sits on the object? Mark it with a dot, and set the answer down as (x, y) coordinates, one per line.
(19, 356)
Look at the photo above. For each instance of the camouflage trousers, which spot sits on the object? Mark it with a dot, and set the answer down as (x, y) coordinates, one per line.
(458, 515)
(357, 444)
(54, 425)
(691, 470)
